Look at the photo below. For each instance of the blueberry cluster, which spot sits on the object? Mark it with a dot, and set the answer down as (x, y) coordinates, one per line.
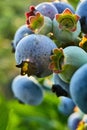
(54, 42)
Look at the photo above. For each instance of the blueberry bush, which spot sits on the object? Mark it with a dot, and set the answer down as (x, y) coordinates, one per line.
(43, 64)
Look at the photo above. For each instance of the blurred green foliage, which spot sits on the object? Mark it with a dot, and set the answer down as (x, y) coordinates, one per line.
(13, 115)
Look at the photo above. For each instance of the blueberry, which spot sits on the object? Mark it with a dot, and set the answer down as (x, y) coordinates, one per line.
(38, 23)
(81, 10)
(75, 57)
(66, 27)
(33, 55)
(83, 123)
(61, 6)
(47, 9)
(78, 88)
(66, 61)
(74, 120)
(27, 90)
(66, 105)
(21, 32)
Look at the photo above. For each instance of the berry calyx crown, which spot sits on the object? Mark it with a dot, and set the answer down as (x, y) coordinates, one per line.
(67, 20)
(34, 20)
(57, 60)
